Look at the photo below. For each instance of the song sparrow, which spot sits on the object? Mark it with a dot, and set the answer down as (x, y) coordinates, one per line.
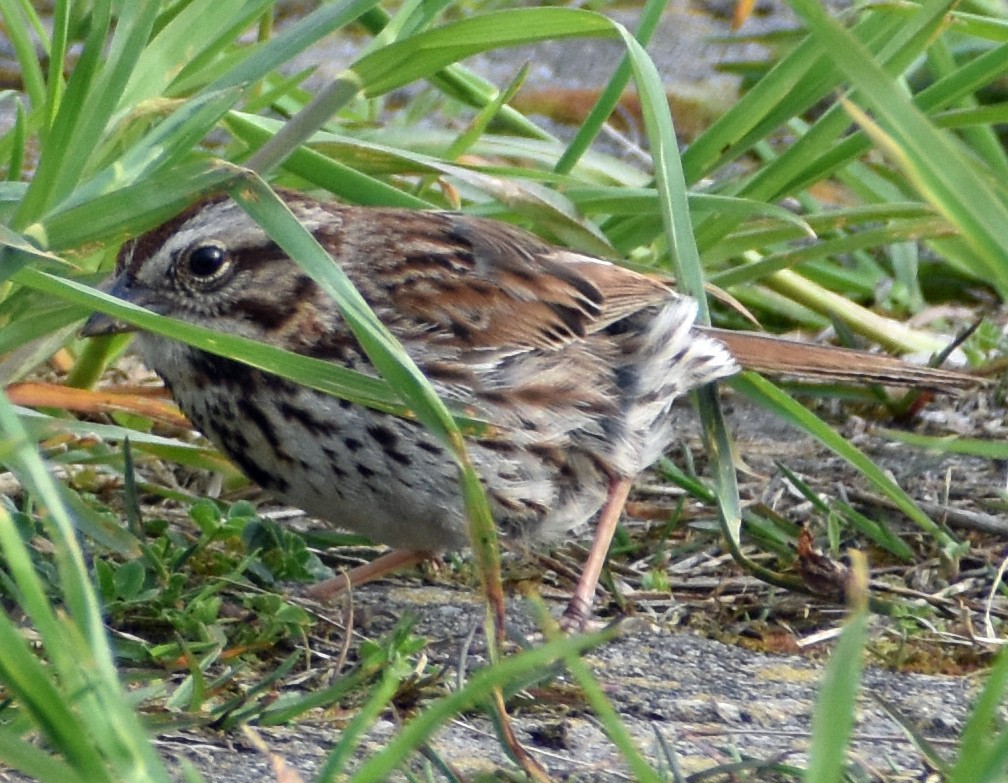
(575, 361)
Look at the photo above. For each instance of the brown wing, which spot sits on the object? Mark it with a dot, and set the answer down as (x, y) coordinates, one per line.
(490, 285)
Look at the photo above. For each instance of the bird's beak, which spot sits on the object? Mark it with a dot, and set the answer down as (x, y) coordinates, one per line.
(101, 324)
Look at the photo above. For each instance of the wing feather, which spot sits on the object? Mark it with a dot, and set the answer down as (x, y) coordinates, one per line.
(486, 285)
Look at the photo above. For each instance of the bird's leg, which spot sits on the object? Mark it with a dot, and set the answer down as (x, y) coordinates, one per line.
(579, 609)
(377, 568)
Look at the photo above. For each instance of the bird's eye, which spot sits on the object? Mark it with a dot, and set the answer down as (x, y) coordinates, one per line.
(206, 261)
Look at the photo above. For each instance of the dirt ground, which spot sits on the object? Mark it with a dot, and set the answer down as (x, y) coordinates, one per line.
(677, 689)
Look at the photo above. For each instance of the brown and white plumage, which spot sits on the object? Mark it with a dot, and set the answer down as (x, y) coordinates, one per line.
(574, 360)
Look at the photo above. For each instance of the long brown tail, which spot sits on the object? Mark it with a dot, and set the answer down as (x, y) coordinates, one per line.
(780, 356)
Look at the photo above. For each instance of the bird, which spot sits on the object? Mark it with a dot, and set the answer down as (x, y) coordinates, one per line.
(574, 360)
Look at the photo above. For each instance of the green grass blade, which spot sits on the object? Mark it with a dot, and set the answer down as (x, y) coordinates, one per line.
(423, 55)
(339, 179)
(56, 84)
(976, 751)
(31, 684)
(610, 720)
(19, 754)
(672, 195)
(77, 645)
(946, 177)
(669, 178)
(132, 209)
(764, 393)
(426, 53)
(19, 35)
(51, 181)
(168, 144)
(650, 16)
(950, 444)
(199, 32)
(526, 665)
(389, 358)
(314, 373)
(292, 41)
(833, 719)
(464, 85)
(377, 703)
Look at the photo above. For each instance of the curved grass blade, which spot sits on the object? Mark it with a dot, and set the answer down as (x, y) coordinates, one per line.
(672, 195)
(398, 369)
(350, 183)
(395, 366)
(764, 393)
(315, 373)
(551, 210)
(426, 53)
(282, 47)
(423, 55)
(527, 666)
(466, 86)
(950, 444)
(650, 16)
(982, 758)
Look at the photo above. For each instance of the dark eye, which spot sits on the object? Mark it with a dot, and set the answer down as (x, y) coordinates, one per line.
(206, 261)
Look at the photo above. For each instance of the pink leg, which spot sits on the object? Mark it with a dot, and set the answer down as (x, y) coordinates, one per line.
(579, 609)
(377, 568)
